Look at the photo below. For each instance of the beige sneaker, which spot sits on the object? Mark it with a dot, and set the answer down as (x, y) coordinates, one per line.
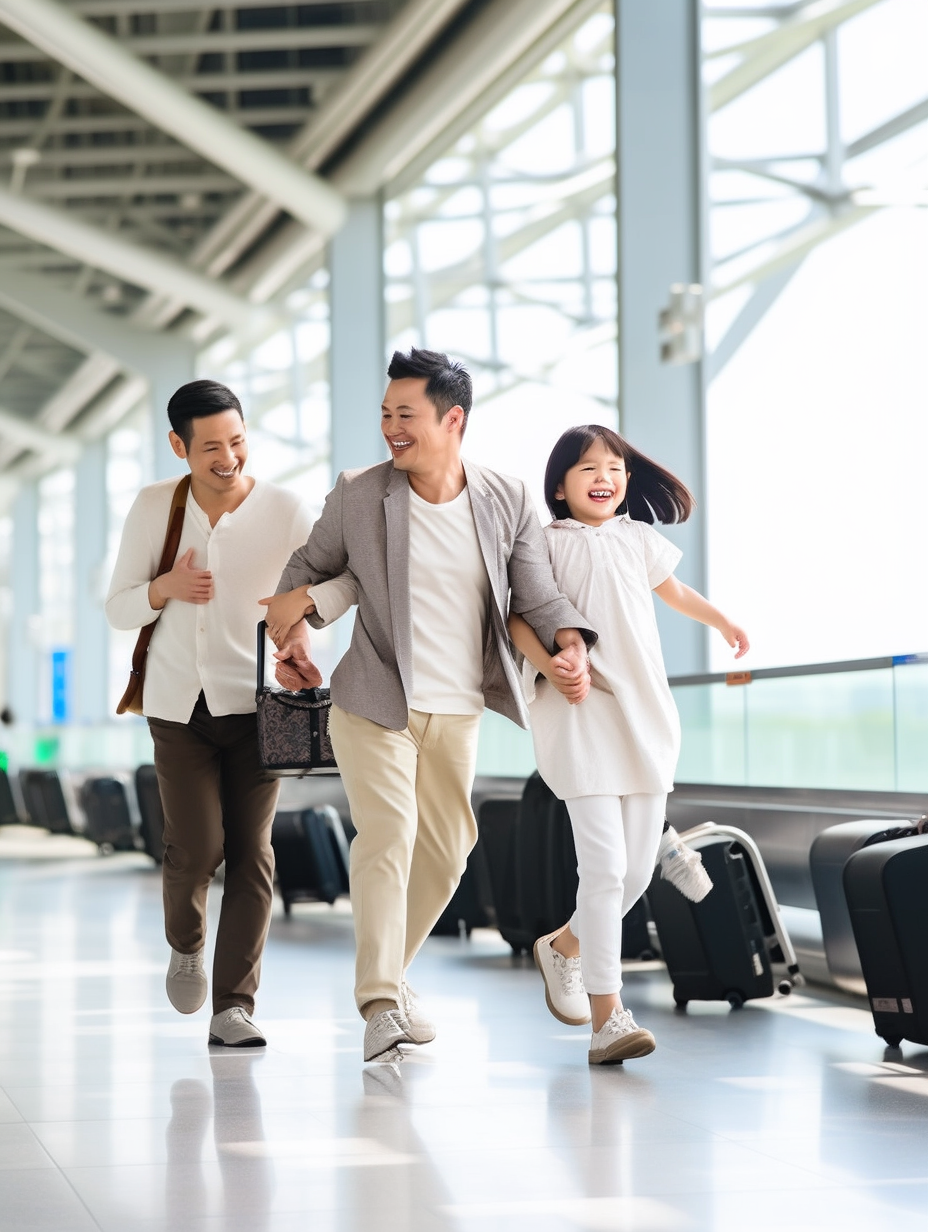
(383, 1033)
(186, 981)
(234, 1028)
(619, 1039)
(421, 1031)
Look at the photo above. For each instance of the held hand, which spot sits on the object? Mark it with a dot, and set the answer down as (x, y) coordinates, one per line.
(571, 680)
(286, 610)
(736, 637)
(295, 669)
(183, 582)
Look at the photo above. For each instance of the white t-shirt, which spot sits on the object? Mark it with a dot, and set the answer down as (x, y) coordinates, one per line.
(209, 646)
(625, 737)
(449, 592)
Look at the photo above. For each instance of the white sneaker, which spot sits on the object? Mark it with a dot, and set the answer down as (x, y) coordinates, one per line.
(383, 1033)
(564, 992)
(683, 867)
(620, 1038)
(186, 981)
(234, 1028)
(421, 1031)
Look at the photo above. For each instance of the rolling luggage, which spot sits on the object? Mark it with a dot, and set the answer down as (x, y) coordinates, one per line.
(151, 814)
(828, 855)
(471, 905)
(8, 814)
(723, 948)
(497, 823)
(886, 895)
(106, 809)
(44, 800)
(311, 855)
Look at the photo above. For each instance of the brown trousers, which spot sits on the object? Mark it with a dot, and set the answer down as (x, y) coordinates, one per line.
(218, 805)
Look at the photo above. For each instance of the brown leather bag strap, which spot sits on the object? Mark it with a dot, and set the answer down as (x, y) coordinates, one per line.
(168, 554)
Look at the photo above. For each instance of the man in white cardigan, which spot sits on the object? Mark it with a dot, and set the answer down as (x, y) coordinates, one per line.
(199, 696)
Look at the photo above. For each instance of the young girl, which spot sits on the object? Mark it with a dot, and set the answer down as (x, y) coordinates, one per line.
(611, 757)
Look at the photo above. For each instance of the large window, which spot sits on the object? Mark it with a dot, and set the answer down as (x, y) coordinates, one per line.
(817, 426)
(503, 253)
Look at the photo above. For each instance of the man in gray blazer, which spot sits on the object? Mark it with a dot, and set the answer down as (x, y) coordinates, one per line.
(439, 549)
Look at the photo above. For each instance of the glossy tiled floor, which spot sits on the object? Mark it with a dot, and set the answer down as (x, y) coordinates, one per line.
(115, 1115)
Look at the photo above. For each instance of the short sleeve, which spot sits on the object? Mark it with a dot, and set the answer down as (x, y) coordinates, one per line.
(661, 556)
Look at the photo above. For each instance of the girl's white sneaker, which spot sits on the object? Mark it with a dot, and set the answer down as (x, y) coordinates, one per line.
(683, 867)
(620, 1038)
(564, 992)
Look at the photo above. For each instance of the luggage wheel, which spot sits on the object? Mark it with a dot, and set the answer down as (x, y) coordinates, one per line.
(735, 999)
(785, 987)
(893, 1041)
(680, 1002)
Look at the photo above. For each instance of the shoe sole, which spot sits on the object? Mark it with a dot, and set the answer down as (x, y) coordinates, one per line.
(568, 1022)
(638, 1044)
(247, 1043)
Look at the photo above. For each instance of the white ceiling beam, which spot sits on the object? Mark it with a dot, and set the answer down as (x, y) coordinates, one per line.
(202, 83)
(886, 132)
(119, 8)
(74, 321)
(281, 38)
(362, 87)
(101, 60)
(127, 187)
(143, 267)
(764, 55)
(17, 432)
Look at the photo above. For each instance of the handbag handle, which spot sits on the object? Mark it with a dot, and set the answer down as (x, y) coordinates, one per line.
(262, 636)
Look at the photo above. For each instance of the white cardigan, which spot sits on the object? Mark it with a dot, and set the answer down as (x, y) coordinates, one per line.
(208, 647)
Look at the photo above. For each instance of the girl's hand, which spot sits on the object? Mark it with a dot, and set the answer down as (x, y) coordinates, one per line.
(286, 610)
(736, 637)
(570, 675)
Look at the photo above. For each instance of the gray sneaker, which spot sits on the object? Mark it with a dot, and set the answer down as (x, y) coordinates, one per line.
(384, 1031)
(421, 1031)
(186, 981)
(234, 1028)
(619, 1039)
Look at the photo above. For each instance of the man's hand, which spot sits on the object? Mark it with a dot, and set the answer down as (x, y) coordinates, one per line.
(295, 669)
(183, 582)
(286, 610)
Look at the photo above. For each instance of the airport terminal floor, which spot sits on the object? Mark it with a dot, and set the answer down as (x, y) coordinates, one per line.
(116, 1115)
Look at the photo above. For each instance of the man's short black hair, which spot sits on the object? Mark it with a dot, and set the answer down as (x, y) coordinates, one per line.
(196, 400)
(447, 382)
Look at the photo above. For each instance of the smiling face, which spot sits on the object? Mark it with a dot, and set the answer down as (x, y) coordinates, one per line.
(216, 454)
(594, 487)
(419, 442)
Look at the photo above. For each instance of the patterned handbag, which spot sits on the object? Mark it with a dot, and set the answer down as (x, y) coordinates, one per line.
(293, 728)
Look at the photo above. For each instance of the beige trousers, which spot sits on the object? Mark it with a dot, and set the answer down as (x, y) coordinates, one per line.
(409, 793)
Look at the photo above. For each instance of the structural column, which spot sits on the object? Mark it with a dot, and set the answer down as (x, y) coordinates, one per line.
(357, 361)
(23, 672)
(91, 633)
(659, 205)
(172, 371)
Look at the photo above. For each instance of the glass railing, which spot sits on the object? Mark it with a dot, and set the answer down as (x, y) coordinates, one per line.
(861, 725)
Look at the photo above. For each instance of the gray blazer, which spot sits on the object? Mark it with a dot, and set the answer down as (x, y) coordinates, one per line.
(364, 527)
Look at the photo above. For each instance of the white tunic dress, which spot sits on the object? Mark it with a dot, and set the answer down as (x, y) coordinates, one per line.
(625, 737)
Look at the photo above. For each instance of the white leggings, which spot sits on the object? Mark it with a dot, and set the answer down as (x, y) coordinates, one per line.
(617, 838)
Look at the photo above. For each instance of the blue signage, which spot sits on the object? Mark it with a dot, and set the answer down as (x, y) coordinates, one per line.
(61, 686)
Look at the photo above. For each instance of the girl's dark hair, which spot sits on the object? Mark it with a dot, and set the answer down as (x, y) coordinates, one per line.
(196, 400)
(652, 491)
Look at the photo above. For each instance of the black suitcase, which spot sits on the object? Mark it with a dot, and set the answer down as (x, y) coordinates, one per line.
(828, 855)
(8, 813)
(44, 800)
(106, 809)
(888, 903)
(471, 905)
(151, 813)
(311, 855)
(498, 823)
(724, 947)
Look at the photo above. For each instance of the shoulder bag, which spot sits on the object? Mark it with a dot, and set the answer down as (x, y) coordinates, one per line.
(131, 700)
